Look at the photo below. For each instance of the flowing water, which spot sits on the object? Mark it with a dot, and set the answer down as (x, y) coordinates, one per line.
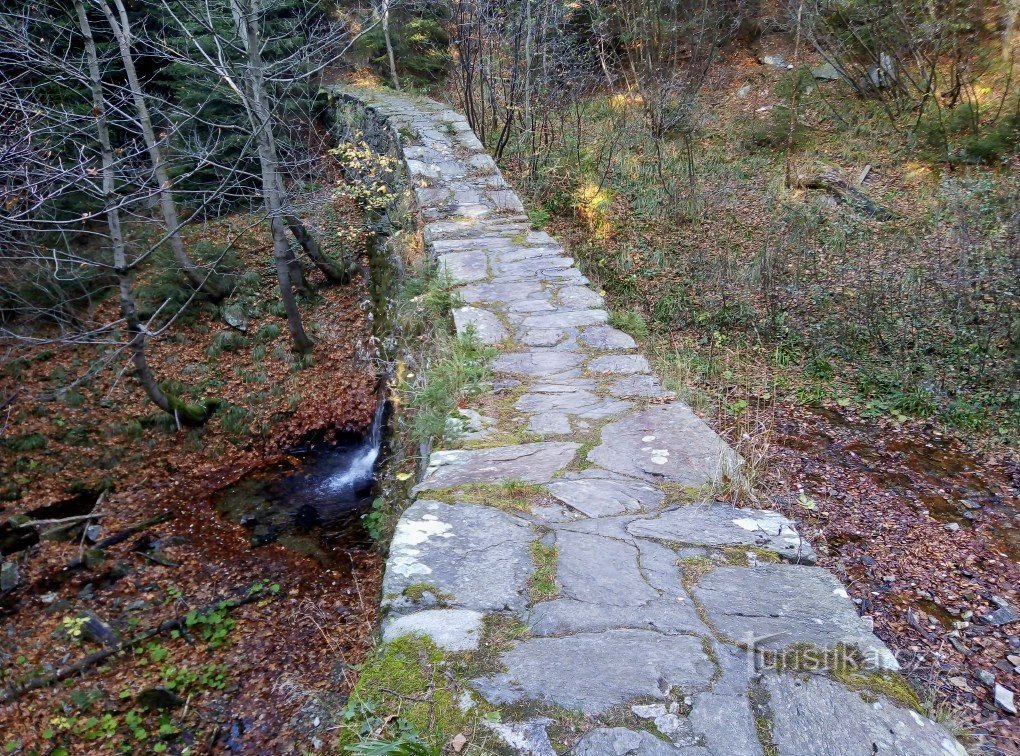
(312, 503)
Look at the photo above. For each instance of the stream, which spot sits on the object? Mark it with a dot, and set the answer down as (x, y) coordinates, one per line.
(312, 503)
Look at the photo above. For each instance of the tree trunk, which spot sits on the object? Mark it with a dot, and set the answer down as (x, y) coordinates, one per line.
(271, 182)
(136, 331)
(200, 279)
(389, 44)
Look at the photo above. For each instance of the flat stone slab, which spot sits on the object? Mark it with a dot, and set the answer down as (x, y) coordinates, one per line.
(579, 298)
(593, 672)
(639, 386)
(569, 617)
(549, 424)
(565, 319)
(664, 442)
(537, 363)
(532, 463)
(578, 402)
(713, 523)
(464, 267)
(491, 293)
(598, 570)
(726, 724)
(606, 338)
(619, 741)
(450, 629)
(775, 606)
(819, 716)
(486, 325)
(597, 493)
(474, 557)
(619, 363)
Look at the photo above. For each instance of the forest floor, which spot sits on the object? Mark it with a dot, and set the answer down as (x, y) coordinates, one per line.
(917, 515)
(228, 677)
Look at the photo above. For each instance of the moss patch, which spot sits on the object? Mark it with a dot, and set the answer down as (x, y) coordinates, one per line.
(741, 556)
(510, 496)
(406, 679)
(692, 569)
(873, 683)
(543, 580)
(416, 592)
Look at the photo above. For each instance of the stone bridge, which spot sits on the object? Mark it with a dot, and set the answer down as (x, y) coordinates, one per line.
(579, 501)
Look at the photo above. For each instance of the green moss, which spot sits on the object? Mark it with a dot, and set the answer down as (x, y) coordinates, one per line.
(873, 683)
(510, 496)
(740, 556)
(416, 592)
(407, 679)
(543, 580)
(692, 569)
(500, 633)
(759, 698)
(630, 322)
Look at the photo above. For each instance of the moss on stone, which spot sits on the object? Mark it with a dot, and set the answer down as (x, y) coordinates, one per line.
(871, 684)
(416, 592)
(741, 556)
(407, 678)
(692, 569)
(511, 496)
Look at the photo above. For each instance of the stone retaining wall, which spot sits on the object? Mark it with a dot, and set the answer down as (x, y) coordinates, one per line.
(667, 605)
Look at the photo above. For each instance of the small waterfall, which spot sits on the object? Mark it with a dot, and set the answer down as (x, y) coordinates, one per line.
(359, 473)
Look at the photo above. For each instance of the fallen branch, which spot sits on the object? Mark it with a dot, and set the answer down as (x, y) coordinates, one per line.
(832, 181)
(16, 691)
(66, 520)
(123, 535)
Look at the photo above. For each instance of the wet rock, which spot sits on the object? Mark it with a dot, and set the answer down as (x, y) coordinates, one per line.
(158, 698)
(817, 715)
(593, 672)
(93, 558)
(9, 577)
(716, 524)
(450, 629)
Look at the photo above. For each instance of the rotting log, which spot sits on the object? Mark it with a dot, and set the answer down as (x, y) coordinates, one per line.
(832, 181)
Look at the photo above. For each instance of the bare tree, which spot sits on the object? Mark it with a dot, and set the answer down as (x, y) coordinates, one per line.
(120, 26)
(226, 39)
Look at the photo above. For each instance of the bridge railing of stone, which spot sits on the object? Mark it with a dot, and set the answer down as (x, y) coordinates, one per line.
(671, 624)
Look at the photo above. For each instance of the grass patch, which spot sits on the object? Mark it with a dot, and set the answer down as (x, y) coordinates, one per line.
(543, 580)
(510, 495)
(630, 322)
(457, 373)
(692, 569)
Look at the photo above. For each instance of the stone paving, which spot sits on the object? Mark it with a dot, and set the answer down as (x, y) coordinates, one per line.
(667, 602)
